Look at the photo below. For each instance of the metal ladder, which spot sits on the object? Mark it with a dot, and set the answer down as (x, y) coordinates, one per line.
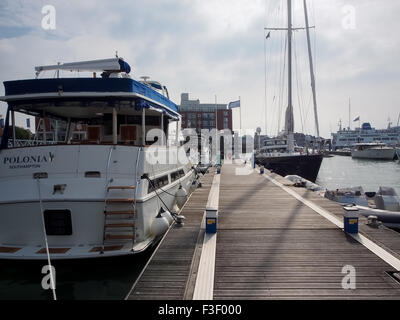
(119, 212)
(119, 224)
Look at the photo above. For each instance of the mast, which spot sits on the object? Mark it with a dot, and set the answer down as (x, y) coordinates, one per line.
(289, 112)
(311, 69)
(289, 124)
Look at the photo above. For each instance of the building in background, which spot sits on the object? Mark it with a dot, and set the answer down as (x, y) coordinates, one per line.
(204, 115)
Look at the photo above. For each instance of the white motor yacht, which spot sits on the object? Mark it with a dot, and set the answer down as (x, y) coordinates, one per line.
(378, 151)
(102, 177)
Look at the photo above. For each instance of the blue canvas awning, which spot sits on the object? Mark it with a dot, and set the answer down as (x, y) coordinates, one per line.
(42, 89)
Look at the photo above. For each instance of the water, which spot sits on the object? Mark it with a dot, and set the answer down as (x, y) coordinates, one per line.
(342, 172)
(107, 278)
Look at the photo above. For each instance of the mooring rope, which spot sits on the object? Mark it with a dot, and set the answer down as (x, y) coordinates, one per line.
(53, 286)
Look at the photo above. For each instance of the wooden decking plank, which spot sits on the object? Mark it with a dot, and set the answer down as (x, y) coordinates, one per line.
(270, 245)
(166, 276)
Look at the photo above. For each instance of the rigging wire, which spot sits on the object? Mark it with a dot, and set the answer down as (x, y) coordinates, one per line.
(275, 69)
(265, 69)
(299, 87)
(272, 76)
(283, 85)
(281, 81)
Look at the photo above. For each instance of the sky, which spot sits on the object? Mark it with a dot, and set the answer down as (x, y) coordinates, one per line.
(218, 48)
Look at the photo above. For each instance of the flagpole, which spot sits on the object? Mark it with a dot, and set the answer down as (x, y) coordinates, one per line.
(216, 130)
(349, 112)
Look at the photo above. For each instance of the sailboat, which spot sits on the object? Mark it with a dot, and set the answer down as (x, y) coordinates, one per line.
(280, 154)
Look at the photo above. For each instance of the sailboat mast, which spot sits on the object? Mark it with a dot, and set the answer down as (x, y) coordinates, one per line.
(289, 117)
(311, 69)
(290, 105)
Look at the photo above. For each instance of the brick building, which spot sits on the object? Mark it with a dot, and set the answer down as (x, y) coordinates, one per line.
(204, 115)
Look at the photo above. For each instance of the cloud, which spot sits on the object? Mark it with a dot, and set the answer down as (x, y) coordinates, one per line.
(210, 48)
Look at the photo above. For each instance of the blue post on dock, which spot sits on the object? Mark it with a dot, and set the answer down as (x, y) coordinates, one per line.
(211, 220)
(350, 219)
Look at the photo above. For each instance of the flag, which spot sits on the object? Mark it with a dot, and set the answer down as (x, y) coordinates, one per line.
(234, 104)
(357, 119)
(268, 35)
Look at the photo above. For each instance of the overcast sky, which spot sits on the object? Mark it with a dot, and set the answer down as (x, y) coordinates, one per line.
(216, 47)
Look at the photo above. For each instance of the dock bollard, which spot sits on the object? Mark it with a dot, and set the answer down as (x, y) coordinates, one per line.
(211, 220)
(350, 219)
(262, 170)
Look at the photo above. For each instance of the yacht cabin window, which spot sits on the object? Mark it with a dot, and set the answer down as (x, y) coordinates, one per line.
(90, 122)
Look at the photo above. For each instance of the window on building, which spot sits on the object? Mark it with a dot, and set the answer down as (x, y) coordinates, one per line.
(226, 123)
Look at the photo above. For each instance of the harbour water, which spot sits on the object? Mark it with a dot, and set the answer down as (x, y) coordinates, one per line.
(342, 172)
(91, 279)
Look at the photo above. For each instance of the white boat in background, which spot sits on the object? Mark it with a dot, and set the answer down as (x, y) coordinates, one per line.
(374, 150)
(103, 192)
(346, 138)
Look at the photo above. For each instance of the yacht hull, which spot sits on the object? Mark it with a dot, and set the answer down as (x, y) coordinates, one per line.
(305, 166)
(375, 154)
(79, 202)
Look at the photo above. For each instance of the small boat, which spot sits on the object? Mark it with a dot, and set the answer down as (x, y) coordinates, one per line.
(390, 219)
(353, 195)
(102, 177)
(384, 204)
(377, 151)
